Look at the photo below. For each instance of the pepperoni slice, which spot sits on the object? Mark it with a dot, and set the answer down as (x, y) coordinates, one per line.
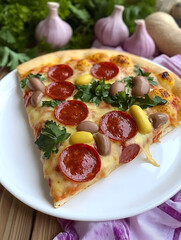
(60, 91)
(129, 153)
(71, 112)
(79, 162)
(118, 125)
(107, 70)
(60, 72)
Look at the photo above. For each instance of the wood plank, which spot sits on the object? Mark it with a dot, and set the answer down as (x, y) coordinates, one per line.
(15, 217)
(45, 227)
(3, 72)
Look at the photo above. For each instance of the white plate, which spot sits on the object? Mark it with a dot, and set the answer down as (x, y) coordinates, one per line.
(130, 190)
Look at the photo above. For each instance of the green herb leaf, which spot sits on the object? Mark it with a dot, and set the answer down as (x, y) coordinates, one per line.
(140, 72)
(151, 81)
(52, 103)
(148, 102)
(24, 81)
(94, 92)
(11, 59)
(128, 81)
(50, 137)
(98, 91)
(121, 100)
(81, 14)
(7, 36)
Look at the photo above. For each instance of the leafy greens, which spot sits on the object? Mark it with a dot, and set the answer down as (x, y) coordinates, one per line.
(98, 91)
(24, 81)
(52, 103)
(18, 20)
(50, 137)
(140, 72)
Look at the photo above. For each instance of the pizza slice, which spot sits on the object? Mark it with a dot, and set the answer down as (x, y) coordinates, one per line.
(93, 110)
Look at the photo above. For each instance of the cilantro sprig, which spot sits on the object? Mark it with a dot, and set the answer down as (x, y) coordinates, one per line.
(53, 103)
(94, 92)
(50, 137)
(128, 81)
(121, 100)
(98, 91)
(24, 81)
(148, 102)
(140, 72)
(10, 58)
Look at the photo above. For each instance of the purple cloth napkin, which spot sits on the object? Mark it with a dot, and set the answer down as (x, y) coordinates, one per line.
(160, 223)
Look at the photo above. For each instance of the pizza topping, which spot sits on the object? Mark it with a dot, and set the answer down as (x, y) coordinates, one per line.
(142, 121)
(60, 72)
(88, 126)
(98, 91)
(158, 119)
(94, 92)
(104, 70)
(129, 153)
(60, 91)
(36, 84)
(79, 162)
(81, 137)
(103, 144)
(83, 79)
(36, 98)
(141, 86)
(71, 112)
(147, 102)
(24, 82)
(116, 87)
(140, 72)
(53, 103)
(50, 137)
(118, 125)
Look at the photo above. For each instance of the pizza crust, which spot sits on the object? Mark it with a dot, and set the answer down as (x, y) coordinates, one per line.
(63, 56)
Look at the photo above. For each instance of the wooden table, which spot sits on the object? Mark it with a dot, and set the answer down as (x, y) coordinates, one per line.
(20, 222)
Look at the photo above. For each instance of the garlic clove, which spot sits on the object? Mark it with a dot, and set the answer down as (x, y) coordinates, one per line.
(140, 43)
(112, 31)
(56, 31)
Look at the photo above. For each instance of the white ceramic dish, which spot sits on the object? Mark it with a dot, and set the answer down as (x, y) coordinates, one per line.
(132, 189)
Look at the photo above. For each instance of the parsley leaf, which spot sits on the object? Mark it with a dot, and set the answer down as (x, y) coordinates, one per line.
(11, 59)
(148, 102)
(52, 103)
(24, 81)
(51, 135)
(98, 91)
(140, 72)
(94, 92)
(128, 81)
(121, 100)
